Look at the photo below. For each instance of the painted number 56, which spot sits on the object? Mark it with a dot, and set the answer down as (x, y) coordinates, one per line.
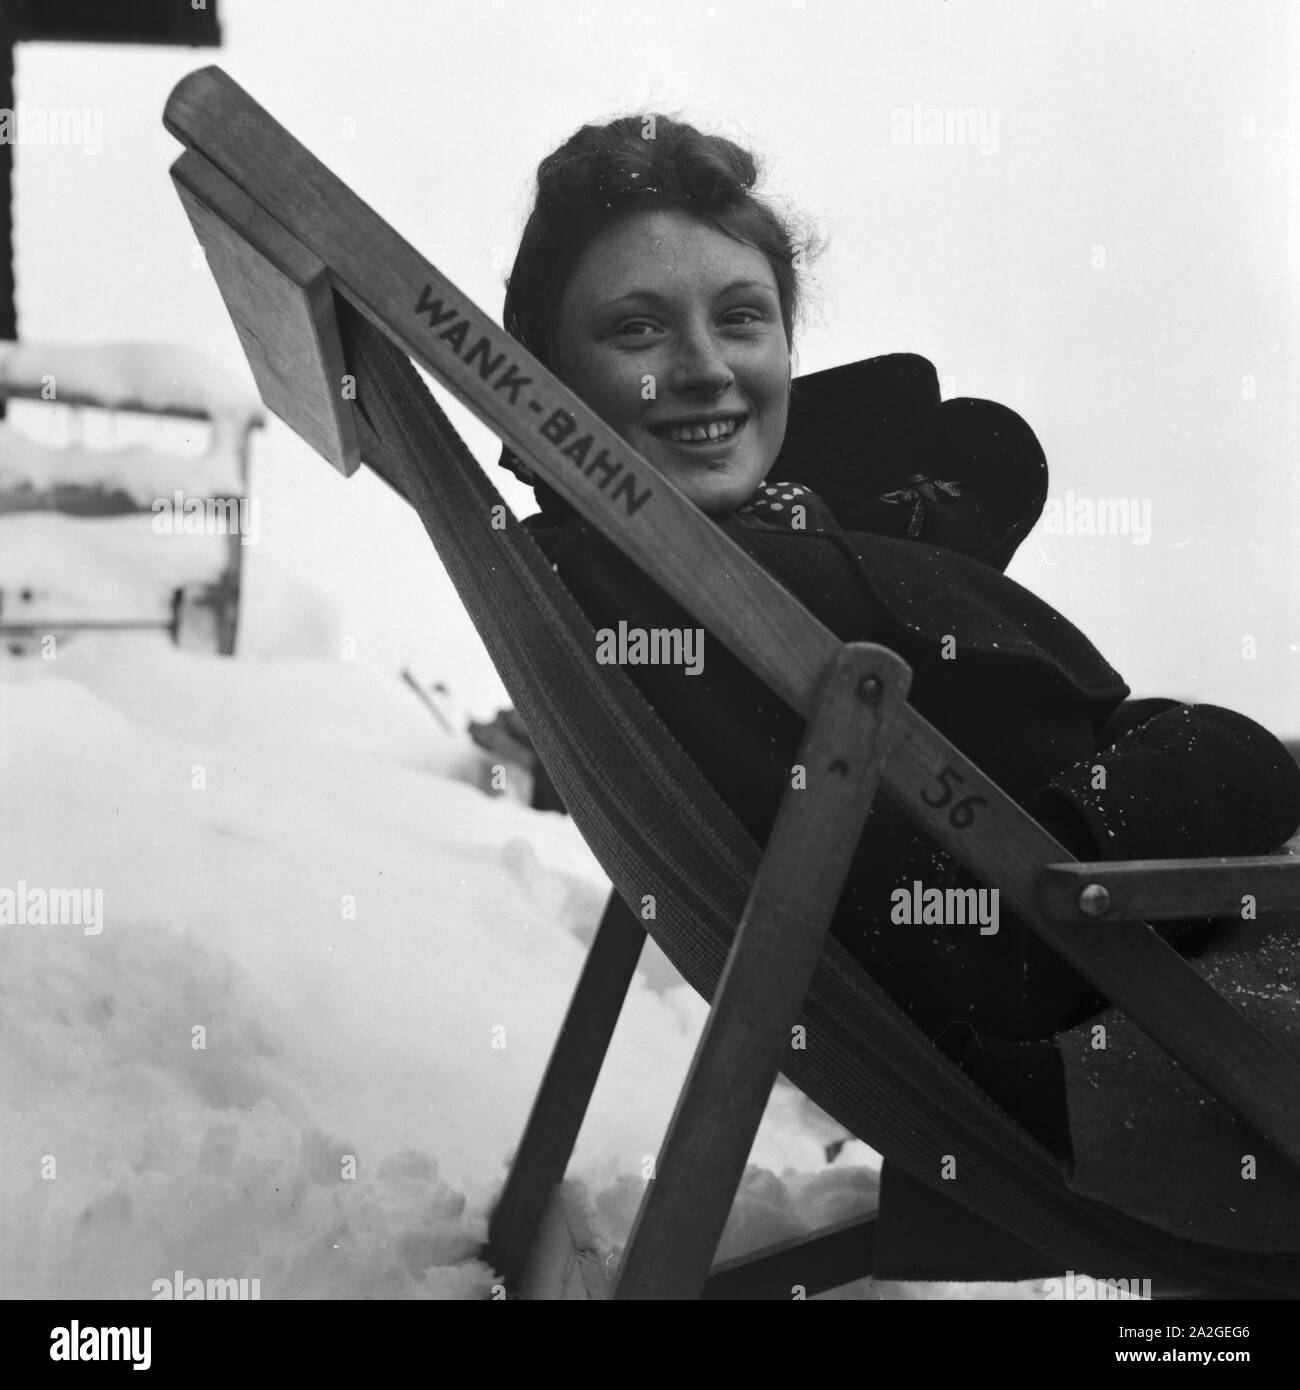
(963, 811)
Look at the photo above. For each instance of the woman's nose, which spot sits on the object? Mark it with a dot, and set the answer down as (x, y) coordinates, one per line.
(700, 366)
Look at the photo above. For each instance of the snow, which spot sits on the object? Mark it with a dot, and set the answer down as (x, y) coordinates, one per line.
(55, 567)
(142, 474)
(155, 379)
(160, 378)
(346, 1121)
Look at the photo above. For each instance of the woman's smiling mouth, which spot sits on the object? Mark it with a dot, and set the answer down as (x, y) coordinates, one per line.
(703, 432)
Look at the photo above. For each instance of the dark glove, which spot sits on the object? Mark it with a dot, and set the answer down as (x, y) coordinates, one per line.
(1185, 782)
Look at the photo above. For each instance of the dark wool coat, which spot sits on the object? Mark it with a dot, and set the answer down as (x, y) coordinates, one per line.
(1025, 695)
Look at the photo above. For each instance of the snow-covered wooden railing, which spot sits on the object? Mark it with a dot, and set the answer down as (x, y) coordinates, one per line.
(161, 379)
(150, 379)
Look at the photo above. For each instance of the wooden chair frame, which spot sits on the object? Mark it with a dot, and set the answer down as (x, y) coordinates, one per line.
(284, 237)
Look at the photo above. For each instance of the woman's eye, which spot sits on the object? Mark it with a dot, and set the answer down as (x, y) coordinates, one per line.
(635, 328)
(742, 318)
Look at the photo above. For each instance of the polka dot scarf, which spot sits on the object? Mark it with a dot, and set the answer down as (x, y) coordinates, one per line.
(788, 507)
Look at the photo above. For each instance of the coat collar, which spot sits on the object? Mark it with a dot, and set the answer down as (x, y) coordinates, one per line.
(876, 441)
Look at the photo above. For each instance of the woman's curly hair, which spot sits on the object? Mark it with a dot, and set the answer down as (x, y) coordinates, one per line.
(644, 161)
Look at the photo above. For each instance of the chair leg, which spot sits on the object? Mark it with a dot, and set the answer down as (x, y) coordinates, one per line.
(777, 946)
(562, 1099)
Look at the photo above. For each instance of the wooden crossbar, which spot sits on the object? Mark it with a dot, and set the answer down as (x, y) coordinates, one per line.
(1169, 889)
(804, 1265)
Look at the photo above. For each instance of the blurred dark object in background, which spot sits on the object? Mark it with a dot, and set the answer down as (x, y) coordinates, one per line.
(506, 737)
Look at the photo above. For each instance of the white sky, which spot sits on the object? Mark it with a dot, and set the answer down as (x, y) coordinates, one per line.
(1120, 125)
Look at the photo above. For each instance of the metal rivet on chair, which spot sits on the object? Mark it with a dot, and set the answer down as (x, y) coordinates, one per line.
(1094, 900)
(869, 687)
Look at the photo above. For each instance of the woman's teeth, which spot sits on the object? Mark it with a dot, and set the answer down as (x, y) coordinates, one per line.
(698, 434)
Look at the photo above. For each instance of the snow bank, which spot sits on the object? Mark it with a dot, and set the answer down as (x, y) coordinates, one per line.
(131, 1154)
(306, 1040)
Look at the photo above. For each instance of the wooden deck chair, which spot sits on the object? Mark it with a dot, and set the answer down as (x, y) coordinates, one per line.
(330, 303)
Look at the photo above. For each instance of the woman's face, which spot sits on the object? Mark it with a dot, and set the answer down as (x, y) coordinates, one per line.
(672, 332)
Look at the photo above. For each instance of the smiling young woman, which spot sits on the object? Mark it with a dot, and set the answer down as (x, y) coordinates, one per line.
(657, 284)
(672, 331)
